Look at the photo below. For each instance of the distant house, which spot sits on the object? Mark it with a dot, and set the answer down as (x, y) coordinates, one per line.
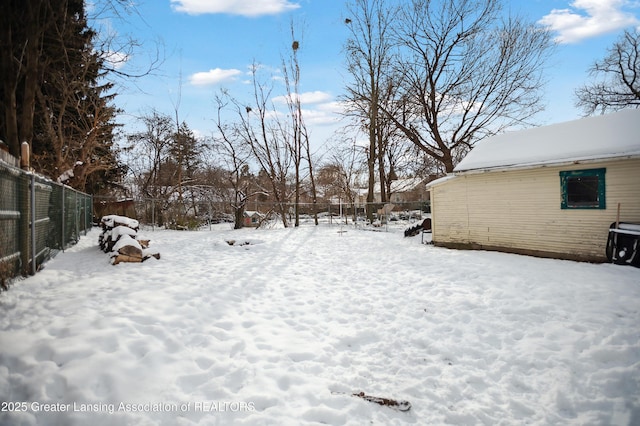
(403, 190)
(550, 191)
(408, 189)
(252, 218)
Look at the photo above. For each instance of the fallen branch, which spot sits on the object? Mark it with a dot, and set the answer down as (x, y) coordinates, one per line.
(387, 402)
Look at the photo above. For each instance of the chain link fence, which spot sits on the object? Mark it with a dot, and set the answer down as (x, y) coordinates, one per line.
(190, 214)
(38, 218)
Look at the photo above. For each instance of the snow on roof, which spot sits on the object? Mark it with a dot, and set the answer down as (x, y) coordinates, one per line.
(440, 180)
(599, 137)
(405, 184)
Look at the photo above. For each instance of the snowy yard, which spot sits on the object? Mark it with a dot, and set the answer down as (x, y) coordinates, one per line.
(283, 330)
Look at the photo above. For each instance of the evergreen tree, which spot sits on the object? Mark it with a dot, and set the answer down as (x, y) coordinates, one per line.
(62, 102)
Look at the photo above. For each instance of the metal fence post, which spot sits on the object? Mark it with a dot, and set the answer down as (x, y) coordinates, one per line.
(23, 234)
(88, 213)
(76, 219)
(62, 221)
(33, 225)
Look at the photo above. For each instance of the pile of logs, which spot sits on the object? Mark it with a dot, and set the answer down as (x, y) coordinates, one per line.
(119, 237)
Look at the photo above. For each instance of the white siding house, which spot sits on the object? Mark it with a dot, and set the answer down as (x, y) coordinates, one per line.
(550, 191)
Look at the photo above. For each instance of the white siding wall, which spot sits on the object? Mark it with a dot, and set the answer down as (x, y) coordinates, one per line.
(520, 210)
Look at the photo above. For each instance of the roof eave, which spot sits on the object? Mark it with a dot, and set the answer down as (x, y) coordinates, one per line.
(551, 163)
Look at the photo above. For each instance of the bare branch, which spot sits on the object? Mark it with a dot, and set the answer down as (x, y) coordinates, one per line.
(616, 78)
(464, 74)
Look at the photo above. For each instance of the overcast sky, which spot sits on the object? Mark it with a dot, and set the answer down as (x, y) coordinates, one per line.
(210, 44)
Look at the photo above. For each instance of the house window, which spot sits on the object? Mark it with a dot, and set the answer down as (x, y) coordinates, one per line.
(583, 189)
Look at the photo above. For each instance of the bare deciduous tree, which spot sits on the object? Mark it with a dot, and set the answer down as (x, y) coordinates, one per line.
(617, 78)
(267, 136)
(75, 137)
(467, 72)
(119, 48)
(291, 73)
(234, 154)
(338, 176)
(299, 139)
(370, 54)
(146, 152)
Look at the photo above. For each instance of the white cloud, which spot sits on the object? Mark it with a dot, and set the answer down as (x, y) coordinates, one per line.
(116, 60)
(213, 76)
(589, 18)
(234, 7)
(306, 98)
(324, 110)
(314, 97)
(319, 117)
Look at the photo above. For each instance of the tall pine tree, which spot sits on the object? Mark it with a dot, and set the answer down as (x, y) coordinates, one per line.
(63, 105)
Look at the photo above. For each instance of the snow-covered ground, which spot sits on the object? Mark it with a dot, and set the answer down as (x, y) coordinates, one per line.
(282, 331)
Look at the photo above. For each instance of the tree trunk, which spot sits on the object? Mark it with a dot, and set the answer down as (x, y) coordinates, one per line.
(371, 162)
(238, 210)
(29, 97)
(9, 78)
(314, 193)
(384, 197)
(11, 118)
